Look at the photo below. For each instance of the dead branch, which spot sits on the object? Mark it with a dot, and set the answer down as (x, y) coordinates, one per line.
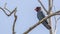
(50, 6)
(31, 28)
(14, 11)
(6, 8)
(13, 28)
(6, 13)
(42, 5)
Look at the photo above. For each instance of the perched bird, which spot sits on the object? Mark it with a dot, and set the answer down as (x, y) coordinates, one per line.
(40, 16)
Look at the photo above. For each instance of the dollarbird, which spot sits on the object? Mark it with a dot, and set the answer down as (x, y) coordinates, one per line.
(40, 16)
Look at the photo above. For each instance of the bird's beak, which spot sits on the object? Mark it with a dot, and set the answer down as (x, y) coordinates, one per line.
(35, 9)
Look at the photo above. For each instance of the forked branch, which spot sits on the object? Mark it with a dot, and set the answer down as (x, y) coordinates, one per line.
(6, 13)
(15, 16)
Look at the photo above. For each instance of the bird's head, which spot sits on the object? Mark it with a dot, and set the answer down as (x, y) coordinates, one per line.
(37, 9)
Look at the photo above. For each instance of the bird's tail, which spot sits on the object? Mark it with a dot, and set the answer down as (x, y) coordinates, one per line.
(45, 23)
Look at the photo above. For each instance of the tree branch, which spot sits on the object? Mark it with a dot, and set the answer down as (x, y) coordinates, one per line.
(42, 5)
(31, 28)
(14, 11)
(50, 5)
(6, 8)
(13, 28)
(6, 13)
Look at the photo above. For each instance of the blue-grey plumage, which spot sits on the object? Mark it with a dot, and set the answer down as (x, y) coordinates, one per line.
(40, 16)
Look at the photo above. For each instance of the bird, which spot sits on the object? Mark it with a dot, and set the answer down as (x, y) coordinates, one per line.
(40, 16)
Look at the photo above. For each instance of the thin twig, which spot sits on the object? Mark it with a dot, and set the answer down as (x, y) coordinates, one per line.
(42, 5)
(31, 28)
(50, 5)
(6, 13)
(6, 8)
(13, 28)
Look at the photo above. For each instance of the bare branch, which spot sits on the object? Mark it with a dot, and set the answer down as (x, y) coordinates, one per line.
(6, 13)
(50, 25)
(42, 5)
(31, 28)
(50, 5)
(6, 8)
(14, 11)
(13, 28)
(15, 16)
